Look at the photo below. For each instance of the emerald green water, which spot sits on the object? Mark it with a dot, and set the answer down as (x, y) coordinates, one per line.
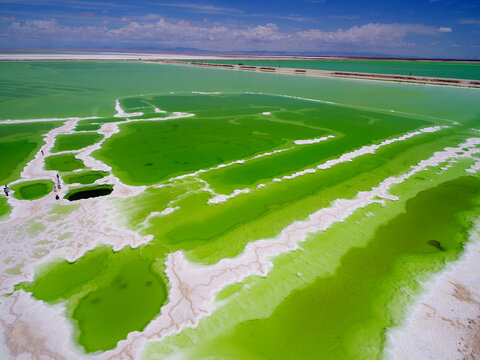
(110, 313)
(456, 70)
(146, 153)
(64, 142)
(355, 305)
(30, 190)
(63, 162)
(84, 177)
(110, 294)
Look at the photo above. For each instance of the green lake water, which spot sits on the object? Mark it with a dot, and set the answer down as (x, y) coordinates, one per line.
(326, 319)
(31, 190)
(65, 142)
(109, 294)
(84, 177)
(350, 274)
(455, 70)
(63, 162)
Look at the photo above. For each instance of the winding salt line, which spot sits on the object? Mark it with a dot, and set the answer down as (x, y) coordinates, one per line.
(222, 198)
(368, 149)
(121, 113)
(186, 309)
(241, 161)
(175, 115)
(313, 141)
(169, 210)
(46, 120)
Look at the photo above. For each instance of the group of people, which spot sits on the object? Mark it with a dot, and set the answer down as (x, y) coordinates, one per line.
(6, 189)
(57, 186)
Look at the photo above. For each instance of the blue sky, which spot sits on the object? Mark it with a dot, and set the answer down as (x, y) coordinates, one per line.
(418, 28)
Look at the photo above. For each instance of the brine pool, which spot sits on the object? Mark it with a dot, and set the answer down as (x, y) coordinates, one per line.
(242, 215)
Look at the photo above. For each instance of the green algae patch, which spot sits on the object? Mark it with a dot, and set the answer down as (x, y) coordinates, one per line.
(344, 315)
(89, 192)
(63, 162)
(108, 315)
(31, 190)
(109, 294)
(60, 280)
(84, 177)
(18, 145)
(66, 142)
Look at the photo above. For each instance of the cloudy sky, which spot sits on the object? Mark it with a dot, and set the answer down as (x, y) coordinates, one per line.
(418, 28)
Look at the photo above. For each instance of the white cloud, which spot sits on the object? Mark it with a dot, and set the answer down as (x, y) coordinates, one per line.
(391, 34)
(269, 32)
(445, 29)
(153, 30)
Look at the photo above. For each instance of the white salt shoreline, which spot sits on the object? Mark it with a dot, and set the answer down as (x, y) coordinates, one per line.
(193, 287)
(444, 322)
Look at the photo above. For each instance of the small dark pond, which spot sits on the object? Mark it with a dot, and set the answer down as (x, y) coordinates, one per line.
(89, 192)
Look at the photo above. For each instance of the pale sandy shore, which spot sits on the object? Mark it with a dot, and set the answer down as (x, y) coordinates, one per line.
(338, 74)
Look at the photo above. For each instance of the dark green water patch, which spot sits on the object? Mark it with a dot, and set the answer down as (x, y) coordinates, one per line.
(109, 314)
(63, 162)
(345, 315)
(109, 294)
(64, 142)
(84, 177)
(89, 192)
(31, 190)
